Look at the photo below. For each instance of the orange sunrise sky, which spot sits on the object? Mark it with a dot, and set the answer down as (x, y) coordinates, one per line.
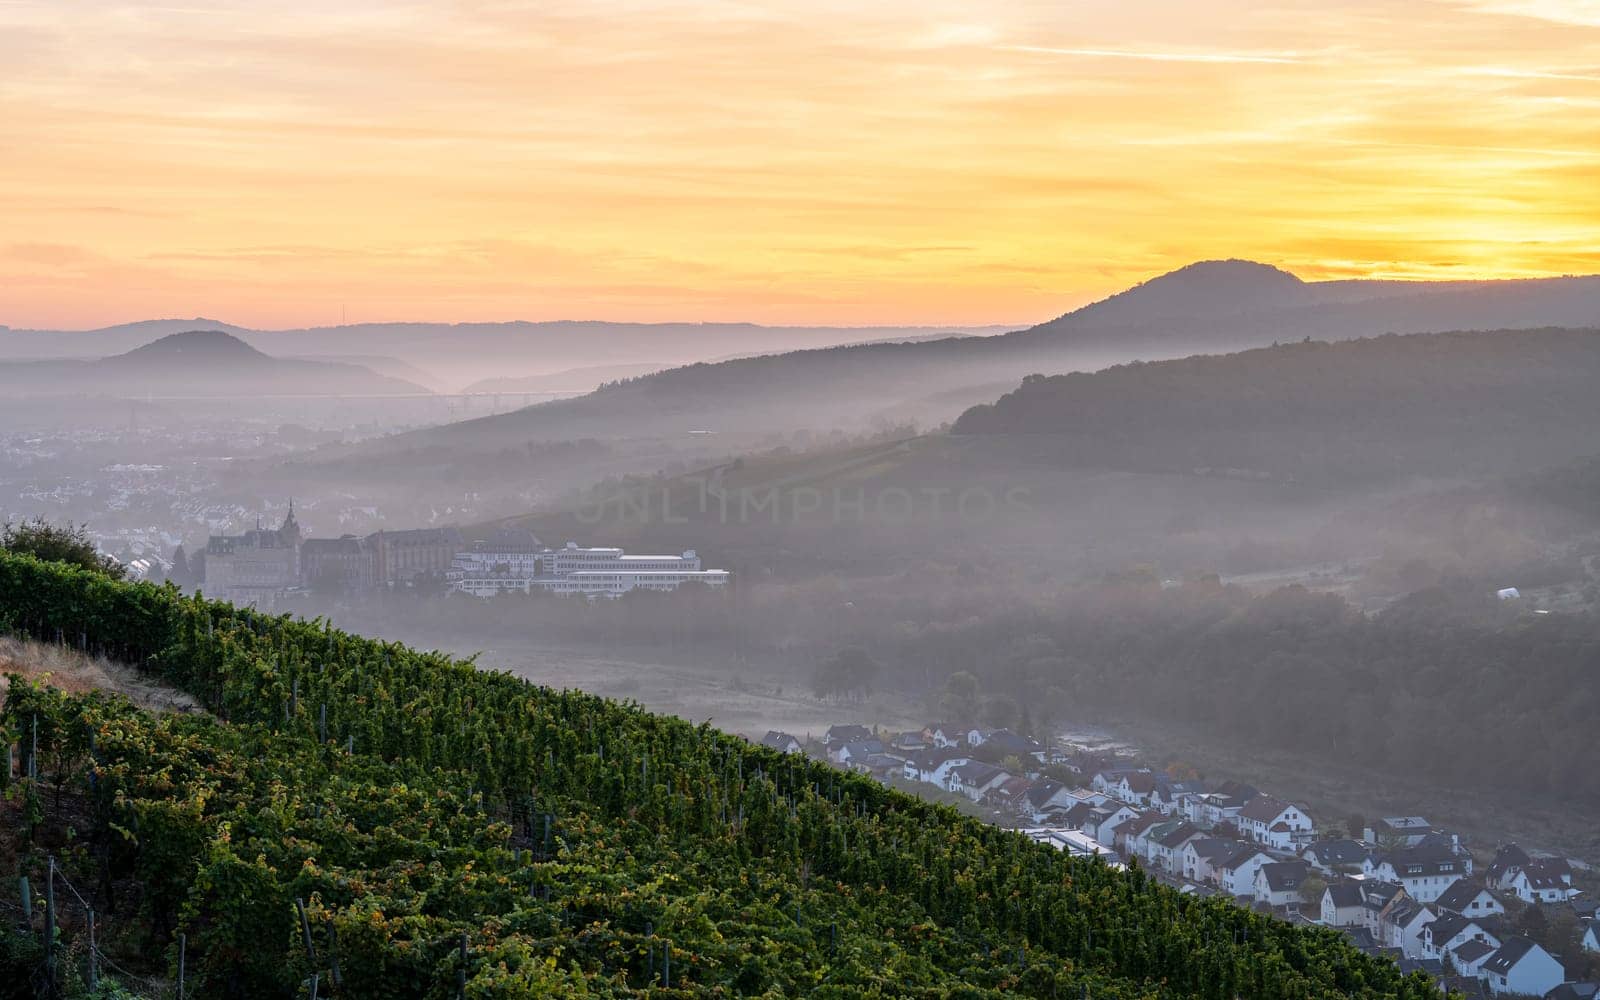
(806, 162)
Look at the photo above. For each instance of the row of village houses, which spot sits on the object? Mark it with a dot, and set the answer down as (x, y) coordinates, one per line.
(1405, 889)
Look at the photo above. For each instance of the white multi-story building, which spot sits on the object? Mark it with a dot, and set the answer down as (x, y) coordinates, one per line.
(499, 567)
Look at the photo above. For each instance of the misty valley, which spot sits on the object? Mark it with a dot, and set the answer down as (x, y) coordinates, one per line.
(1233, 636)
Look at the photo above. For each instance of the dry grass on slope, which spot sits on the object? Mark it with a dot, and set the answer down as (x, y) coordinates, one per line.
(70, 670)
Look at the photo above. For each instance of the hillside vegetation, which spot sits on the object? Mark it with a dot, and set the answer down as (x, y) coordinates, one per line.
(1453, 448)
(1453, 404)
(452, 832)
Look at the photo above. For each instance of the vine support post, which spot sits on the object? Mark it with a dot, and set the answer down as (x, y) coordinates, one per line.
(50, 921)
(305, 931)
(333, 956)
(94, 957)
(27, 899)
(183, 955)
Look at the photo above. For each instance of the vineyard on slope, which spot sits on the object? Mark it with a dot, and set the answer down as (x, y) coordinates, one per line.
(366, 820)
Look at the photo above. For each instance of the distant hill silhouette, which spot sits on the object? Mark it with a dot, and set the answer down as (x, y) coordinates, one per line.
(192, 348)
(1208, 307)
(1233, 304)
(456, 354)
(196, 363)
(1211, 287)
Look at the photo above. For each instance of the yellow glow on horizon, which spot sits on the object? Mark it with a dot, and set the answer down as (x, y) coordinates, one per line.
(779, 162)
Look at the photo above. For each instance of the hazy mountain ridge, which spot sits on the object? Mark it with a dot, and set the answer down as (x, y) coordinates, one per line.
(461, 353)
(196, 363)
(1210, 307)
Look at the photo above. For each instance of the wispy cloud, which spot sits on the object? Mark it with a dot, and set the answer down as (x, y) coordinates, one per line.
(1164, 56)
(1508, 73)
(1577, 12)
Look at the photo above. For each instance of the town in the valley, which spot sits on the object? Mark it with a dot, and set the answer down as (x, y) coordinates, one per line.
(1483, 921)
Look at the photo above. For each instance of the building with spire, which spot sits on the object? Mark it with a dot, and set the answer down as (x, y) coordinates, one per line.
(255, 568)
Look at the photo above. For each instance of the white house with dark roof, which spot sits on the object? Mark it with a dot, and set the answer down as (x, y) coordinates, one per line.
(1278, 883)
(1130, 836)
(1468, 958)
(1268, 820)
(1508, 859)
(1010, 794)
(856, 752)
(975, 780)
(1107, 779)
(1169, 848)
(1200, 857)
(945, 734)
(1237, 873)
(1007, 743)
(1397, 831)
(1591, 935)
(1450, 931)
(1333, 857)
(1169, 795)
(1377, 898)
(934, 766)
(1107, 818)
(1046, 796)
(1542, 880)
(1210, 810)
(781, 742)
(1425, 872)
(1342, 905)
(908, 743)
(838, 736)
(1401, 926)
(1521, 968)
(1469, 899)
(1136, 788)
(1142, 843)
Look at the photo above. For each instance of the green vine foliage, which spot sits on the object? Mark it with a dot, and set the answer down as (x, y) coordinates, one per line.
(451, 830)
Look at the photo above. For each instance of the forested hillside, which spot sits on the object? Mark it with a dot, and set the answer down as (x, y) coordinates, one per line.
(1449, 686)
(450, 832)
(1453, 404)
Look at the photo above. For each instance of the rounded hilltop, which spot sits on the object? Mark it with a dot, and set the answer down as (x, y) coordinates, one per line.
(1207, 287)
(195, 345)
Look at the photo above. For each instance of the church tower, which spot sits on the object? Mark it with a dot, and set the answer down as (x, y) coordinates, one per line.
(290, 529)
